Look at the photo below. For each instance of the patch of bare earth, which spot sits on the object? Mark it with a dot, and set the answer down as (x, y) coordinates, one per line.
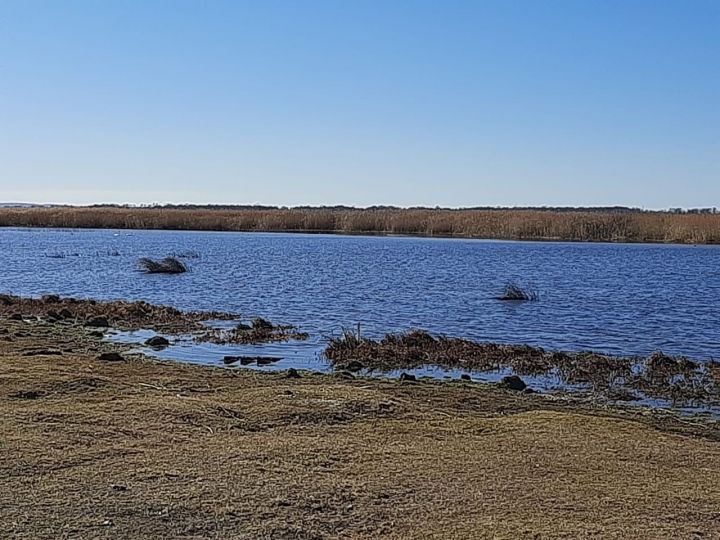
(144, 449)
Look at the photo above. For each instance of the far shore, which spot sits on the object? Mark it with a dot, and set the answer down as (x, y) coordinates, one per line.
(542, 225)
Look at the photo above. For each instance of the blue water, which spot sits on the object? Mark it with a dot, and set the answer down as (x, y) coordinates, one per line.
(613, 298)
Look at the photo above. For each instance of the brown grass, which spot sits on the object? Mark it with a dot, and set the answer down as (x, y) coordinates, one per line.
(120, 314)
(526, 224)
(659, 376)
(142, 449)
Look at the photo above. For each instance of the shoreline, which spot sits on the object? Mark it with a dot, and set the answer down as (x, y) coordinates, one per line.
(373, 234)
(665, 382)
(95, 446)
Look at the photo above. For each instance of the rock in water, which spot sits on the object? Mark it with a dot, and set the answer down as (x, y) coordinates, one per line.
(157, 341)
(354, 366)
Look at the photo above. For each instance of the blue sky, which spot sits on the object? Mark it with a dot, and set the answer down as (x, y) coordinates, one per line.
(451, 103)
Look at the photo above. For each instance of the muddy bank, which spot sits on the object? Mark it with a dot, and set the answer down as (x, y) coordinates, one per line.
(676, 379)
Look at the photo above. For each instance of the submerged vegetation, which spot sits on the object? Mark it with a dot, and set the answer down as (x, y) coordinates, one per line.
(258, 331)
(596, 225)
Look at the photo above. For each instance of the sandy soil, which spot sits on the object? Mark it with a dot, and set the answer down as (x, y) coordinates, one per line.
(146, 449)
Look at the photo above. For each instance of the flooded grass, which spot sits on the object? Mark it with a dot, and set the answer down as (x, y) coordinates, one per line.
(675, 379)
(260, 331)
(142, 315)
(118, 314)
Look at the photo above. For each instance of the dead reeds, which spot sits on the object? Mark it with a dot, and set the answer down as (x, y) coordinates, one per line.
(608, 225)
(515, 293)
(659, 376)
(258, 331)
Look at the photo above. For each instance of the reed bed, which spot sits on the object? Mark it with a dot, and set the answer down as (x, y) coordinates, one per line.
(512, 224)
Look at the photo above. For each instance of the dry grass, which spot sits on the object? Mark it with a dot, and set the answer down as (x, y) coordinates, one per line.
(142, 315)
(143, 449)
(659, 376)
(119, 314)
(527, 224)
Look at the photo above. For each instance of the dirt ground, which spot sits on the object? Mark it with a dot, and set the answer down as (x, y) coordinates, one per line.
(147, 449)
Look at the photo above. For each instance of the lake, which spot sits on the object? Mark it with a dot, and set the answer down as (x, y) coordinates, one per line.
(622, 299)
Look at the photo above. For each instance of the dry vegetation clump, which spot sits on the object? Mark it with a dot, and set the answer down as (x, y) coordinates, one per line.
(418, 348)
(512, 224)
(259, 331)
(598, 370)
(659, 376)
(169, 265)
(514, 292)
(677, 379)
(142, 315)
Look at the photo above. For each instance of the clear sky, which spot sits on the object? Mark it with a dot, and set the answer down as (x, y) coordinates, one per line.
(361, 102)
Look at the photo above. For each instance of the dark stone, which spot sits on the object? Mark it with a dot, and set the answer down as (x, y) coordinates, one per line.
(16, 317)
(96, 334)
(157, 341)
(513, 382)
(243, 327)
(355, 365)
(111, 357)
(28, 394)
(407, 377)
(292, 373)
(7, 300)
(98, 322)
(345, 375)
(50, 299)
(65, 313)
(246, 360)
(465, 377)
(227, 360)
(266, 360)
(53, 315)
(621, 394)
